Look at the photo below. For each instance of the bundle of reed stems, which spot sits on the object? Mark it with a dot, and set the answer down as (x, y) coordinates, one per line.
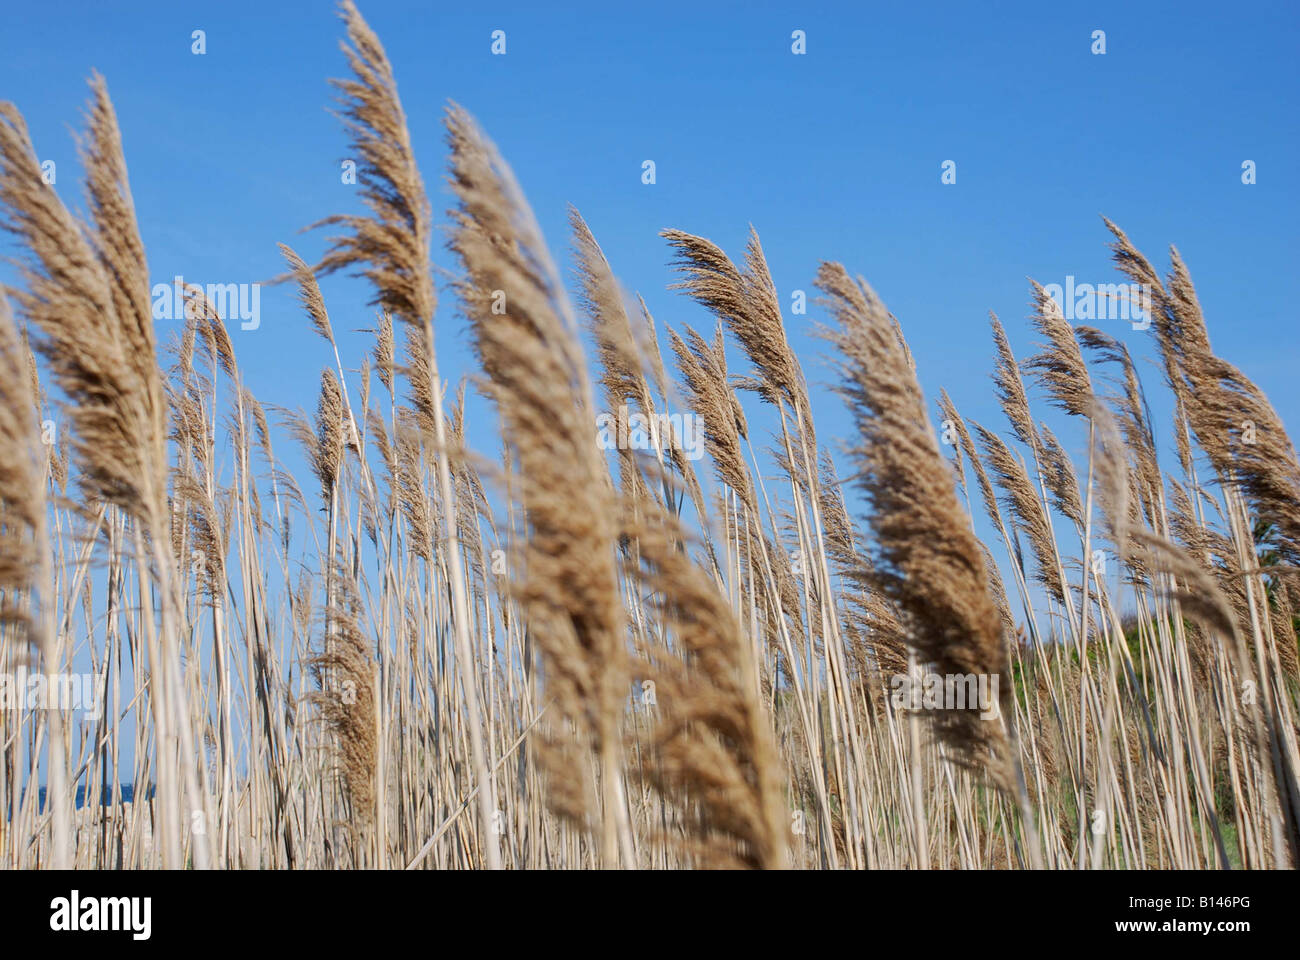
(432, 658)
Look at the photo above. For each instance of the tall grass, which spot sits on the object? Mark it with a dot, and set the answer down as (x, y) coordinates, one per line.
(434, 658)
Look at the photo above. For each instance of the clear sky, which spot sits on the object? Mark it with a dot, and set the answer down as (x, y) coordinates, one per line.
(835, 154)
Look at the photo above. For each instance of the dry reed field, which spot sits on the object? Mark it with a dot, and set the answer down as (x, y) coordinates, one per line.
(795, 652)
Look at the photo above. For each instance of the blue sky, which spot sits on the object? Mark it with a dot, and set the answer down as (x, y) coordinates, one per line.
(835, 154)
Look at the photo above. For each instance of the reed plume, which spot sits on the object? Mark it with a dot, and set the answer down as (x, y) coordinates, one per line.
(746, 301)
(87, 292)
(714, 750)
(1023, 503)
(344, 671)
(1059, 368)
(22, 490)
(568, 582)
(928, 560)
